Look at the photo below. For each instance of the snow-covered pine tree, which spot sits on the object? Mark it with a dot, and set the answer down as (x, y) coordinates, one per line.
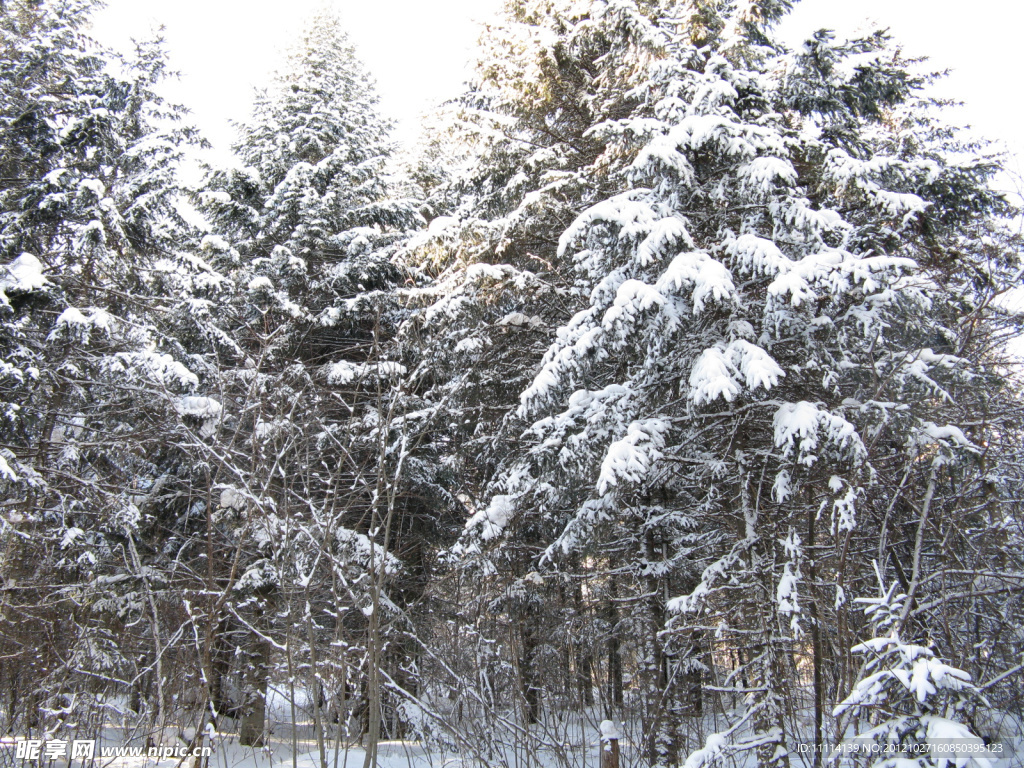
(86, 207)
(308, 207)
(522, 162)
(910, 701)
(304, 231)
(773, 336)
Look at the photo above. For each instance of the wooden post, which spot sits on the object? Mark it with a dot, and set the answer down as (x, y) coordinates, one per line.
(609, 744)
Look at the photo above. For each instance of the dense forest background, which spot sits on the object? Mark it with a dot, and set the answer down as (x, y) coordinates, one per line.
(666, 381)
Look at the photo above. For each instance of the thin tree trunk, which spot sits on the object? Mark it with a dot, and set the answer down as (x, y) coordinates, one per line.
(816, 659)
(252, 724)
(615, 698)
(318, 723)
(528, 681)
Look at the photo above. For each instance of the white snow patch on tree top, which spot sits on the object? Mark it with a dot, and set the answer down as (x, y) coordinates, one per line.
(201, 407)
(493, 519)
(343, 372)
(24, 274)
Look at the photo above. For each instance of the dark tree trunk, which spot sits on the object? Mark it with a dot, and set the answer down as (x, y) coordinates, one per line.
(528, 671)
(252, 723)
(615, 697)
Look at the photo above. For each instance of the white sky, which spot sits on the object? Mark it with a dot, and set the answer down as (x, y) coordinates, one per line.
(417, 49)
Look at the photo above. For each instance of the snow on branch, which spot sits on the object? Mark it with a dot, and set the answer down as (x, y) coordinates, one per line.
(708, 278)
(631, 458)
(624, 211)
(23, 275)
(800, 426)
(343, 372)
(721, 370)
(73, 321)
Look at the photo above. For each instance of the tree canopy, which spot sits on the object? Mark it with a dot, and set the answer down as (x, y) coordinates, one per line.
(667, 383)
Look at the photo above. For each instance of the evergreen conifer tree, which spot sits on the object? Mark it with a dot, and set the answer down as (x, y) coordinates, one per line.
(87, 210)
(304, 234)
(911, 699)
(767, 324)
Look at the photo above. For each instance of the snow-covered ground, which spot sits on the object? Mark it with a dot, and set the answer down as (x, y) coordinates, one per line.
(282, 752)
(278, 754)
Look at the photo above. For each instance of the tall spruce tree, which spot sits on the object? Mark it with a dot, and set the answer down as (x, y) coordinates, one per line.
(520, 164)
(308, 205)
(306, 456)
(778, 322)
(87, 208)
